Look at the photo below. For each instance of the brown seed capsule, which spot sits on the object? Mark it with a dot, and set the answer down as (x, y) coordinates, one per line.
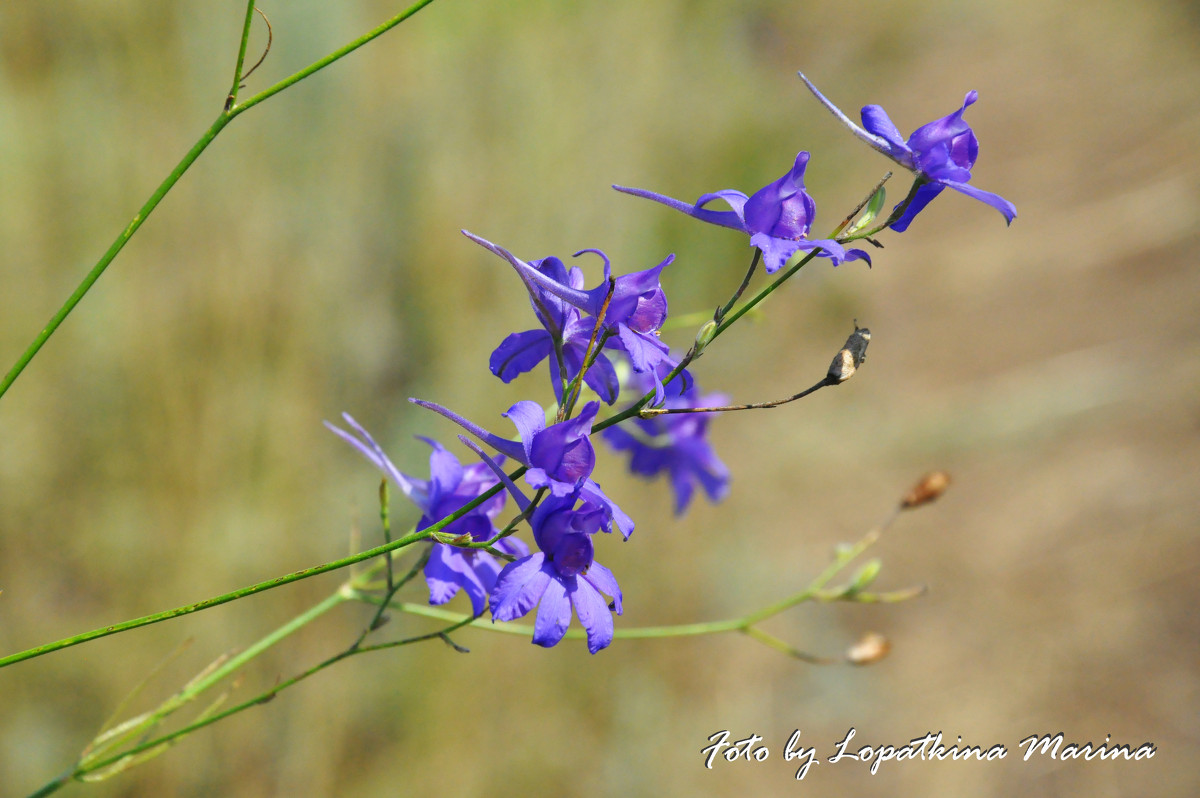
(931, 486)
(850, 357)
(871, 648)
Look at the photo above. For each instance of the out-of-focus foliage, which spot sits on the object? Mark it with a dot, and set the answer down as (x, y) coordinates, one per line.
(166, 445)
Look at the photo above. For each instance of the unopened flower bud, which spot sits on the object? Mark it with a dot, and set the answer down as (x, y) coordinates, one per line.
(851, 356)
(871, 648)
(931, 486)
(704, 336)
(865, 576)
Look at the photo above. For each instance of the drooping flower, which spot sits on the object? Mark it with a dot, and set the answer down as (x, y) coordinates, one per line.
(562, 575)
(559, 457)
(777, 217)
(941, 153)
(677, 444)
(636, 311)
(449, 487)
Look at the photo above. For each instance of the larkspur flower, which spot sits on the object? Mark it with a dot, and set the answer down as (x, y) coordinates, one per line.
(777, 217)
(449, 487)
(563, 323)
(636, 311)
(559, 457)
(677, 444)
(941, 153)
(561, 576)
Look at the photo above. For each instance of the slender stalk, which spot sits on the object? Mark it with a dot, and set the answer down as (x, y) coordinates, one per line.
(94, 274)
(336, 55)
(228, 114)
(719, 316)
(651, 412)
(241, 56)
(260, 587)
(262, 698)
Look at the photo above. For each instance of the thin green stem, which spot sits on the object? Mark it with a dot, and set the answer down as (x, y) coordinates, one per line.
(336, 55)
(279, 581)
(117, 245)
(241, 56)
(261, 698)
(724, 309)
(228, 114)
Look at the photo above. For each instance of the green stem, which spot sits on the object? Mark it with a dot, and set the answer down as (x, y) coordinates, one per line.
(279, 581)
(241, 56)
(224, 119)
(117, 246)
(263, 697)
(336, 55)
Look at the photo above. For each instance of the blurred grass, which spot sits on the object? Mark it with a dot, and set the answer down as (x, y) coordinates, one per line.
(166, 445)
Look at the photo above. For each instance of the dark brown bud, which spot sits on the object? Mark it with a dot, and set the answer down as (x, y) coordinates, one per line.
(931, 486)
(850, 357)
(871, 648)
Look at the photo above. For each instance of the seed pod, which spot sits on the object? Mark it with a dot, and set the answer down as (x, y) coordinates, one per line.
(850, 357)
(871, 648)
(931, 486)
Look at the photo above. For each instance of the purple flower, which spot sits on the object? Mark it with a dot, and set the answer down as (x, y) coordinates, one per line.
(636, 311)
(560, 577)
(449, 487)
(777, 217)
(941, 153)
(559, 457)
(676, 443)
(561, 322)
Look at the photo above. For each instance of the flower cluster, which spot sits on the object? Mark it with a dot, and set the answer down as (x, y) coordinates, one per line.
(597, 343)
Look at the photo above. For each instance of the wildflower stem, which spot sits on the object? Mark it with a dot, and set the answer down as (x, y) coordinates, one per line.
(260, 587)
(589, 356)
(650, 412)
(241, 57)
(866, 201)
(815, 591)
(719, 316)
(229, 112)
(261, 698)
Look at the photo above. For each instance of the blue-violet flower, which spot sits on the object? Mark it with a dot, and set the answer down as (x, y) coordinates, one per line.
(941, 153)
(777, 217)
(559, 457)
(448, 488)
(636, 310)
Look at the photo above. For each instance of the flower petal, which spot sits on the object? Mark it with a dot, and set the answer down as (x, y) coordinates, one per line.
(730, 219)
(878, 142)
(925, 195)
(995, 200)
(776, 251)
(529, 418)
(506, 447)
(603, 580)
(414, 489)
(878, 123)
(519, 587)
(520, 353)
(593, 613)
(554, 615)
(445, 472)
(520, 498)
(446, 571)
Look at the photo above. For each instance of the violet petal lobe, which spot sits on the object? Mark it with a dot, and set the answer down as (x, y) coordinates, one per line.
(553, 616)
(519, 587)
(593, 613)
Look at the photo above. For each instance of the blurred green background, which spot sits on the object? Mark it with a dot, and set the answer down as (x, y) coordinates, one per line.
(167, 444)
